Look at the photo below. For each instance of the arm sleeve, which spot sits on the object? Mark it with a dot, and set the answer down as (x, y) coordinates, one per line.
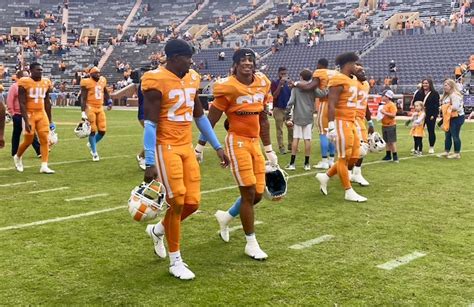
(149, 142)
(207, 132)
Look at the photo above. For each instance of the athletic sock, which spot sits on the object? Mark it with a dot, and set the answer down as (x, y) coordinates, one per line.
(175, 256)
(92, 142)
(388, 154)
(306, 160)
(293, 158)
(159, 229)
(98, 137)
(251, 238)
(395, 156)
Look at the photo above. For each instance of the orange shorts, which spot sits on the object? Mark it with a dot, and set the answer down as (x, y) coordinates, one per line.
(362, 129)
(96, 116)
(179, 171)
(322, 117)
(348, 141)
(246, 161)
(38, 121)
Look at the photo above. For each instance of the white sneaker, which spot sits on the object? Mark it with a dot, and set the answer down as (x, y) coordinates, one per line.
(331, 162)
(307, 167)
(356, 176)
(351, 195)
(95, 157)
(223, 218)
(253, 250)
(141, 162)
(412, 150)
(180, 270)
(46, 170)
(160, 249)
(431, 150)
(322, 165)
(323, 179)
(290, 167)
(18, 163)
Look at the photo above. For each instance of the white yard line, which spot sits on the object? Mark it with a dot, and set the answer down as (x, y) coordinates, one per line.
(109, 136)
(86, 197)
(60, 219)
(203, 192)
(16, 183)
(312, 242)
(48, 190)
(70, 162)
(392, 264)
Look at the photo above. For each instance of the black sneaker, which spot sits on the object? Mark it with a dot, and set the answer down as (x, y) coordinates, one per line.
(396, 160)
(386, 158)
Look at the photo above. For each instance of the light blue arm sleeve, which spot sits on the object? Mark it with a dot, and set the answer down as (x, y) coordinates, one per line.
(149, 142)
(207, 133)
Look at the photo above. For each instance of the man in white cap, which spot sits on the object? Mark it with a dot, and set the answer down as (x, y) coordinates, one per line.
(389, 126)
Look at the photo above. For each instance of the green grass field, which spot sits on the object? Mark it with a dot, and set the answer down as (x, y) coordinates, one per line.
(422, 204)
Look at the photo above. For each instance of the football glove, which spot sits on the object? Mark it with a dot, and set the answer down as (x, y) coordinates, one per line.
(84, 116)
(332, 134)
(271, 155)
(199, 152)
(52, 126)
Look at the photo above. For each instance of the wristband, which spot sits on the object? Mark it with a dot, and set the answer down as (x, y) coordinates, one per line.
(331, 125)
(199, 148)
(83, 114)
(268, 148)
(370, 123)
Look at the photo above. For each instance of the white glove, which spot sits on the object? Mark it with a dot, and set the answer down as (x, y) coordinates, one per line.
(199, 152)
(271, 155)
(84, 116)
(332, 134)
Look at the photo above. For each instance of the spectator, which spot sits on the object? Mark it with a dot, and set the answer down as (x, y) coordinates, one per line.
(281, 94)
(453, 119)
(394, 85)
(417, 130)
(221, 56)
(389, 126)
(430, 98)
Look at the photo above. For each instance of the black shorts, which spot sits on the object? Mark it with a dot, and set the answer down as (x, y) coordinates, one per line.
(389, 134)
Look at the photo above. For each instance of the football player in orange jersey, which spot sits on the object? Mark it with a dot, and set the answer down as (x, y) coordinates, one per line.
(170, 104)
(243, 97)
(342, 108)
(363, 111)
(320, 81)
(93, 96)
(35, 106)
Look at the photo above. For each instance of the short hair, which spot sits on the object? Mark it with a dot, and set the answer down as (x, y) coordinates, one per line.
(345, 58)
(34, 64)
(281, 68)
(323, 62)
(306, 74)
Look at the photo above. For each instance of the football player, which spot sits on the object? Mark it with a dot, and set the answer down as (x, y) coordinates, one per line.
(362, 112)
(171, 103)
(243, 97)
(342, 109)
(320, 81)
(35, 106)
(93, 96)
(141, 116)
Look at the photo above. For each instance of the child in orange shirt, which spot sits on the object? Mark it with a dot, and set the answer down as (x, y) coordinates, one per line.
(417, 131)
(389, 126)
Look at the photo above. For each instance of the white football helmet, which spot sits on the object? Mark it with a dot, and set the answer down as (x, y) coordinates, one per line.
(364, 149)
(276, 182)
(83, 129)
(376, 142)
(8, 118)
(52, 138)
(147, 200)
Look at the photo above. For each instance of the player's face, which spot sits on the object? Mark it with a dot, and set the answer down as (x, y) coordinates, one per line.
(36, 72)
(360, 72)
(246, 66)
(183, 63)
(95, 76)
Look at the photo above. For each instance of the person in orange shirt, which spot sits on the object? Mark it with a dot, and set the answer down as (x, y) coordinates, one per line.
(93, 96)
(389, 126)
(35, 106)
(342, 109)
(243, 97)
(170, 104)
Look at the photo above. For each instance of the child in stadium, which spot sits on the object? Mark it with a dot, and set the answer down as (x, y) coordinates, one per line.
(417, 131)
(389, 126)
(301, 103)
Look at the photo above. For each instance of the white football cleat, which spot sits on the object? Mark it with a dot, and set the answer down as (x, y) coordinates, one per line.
(141, 162)
(321, 165)
(357, 177)
(223, 218)
(46, 170)
(95, 157)
(180, 270)
(18, 163)
(323, 179)
(351, 195)
(253, 250)
(160, 249)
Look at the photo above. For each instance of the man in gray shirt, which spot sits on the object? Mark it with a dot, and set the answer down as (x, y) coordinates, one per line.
(301, 106)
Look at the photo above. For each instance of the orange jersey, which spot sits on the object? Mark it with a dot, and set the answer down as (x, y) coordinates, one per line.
(35, 92)
(243, 103)
(362, 96)
(324, 75)
(177, 104)
(346, 106)
(95, 91)
(389, 107)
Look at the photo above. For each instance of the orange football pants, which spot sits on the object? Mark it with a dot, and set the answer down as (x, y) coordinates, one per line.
(96, 117)
(39, 123)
